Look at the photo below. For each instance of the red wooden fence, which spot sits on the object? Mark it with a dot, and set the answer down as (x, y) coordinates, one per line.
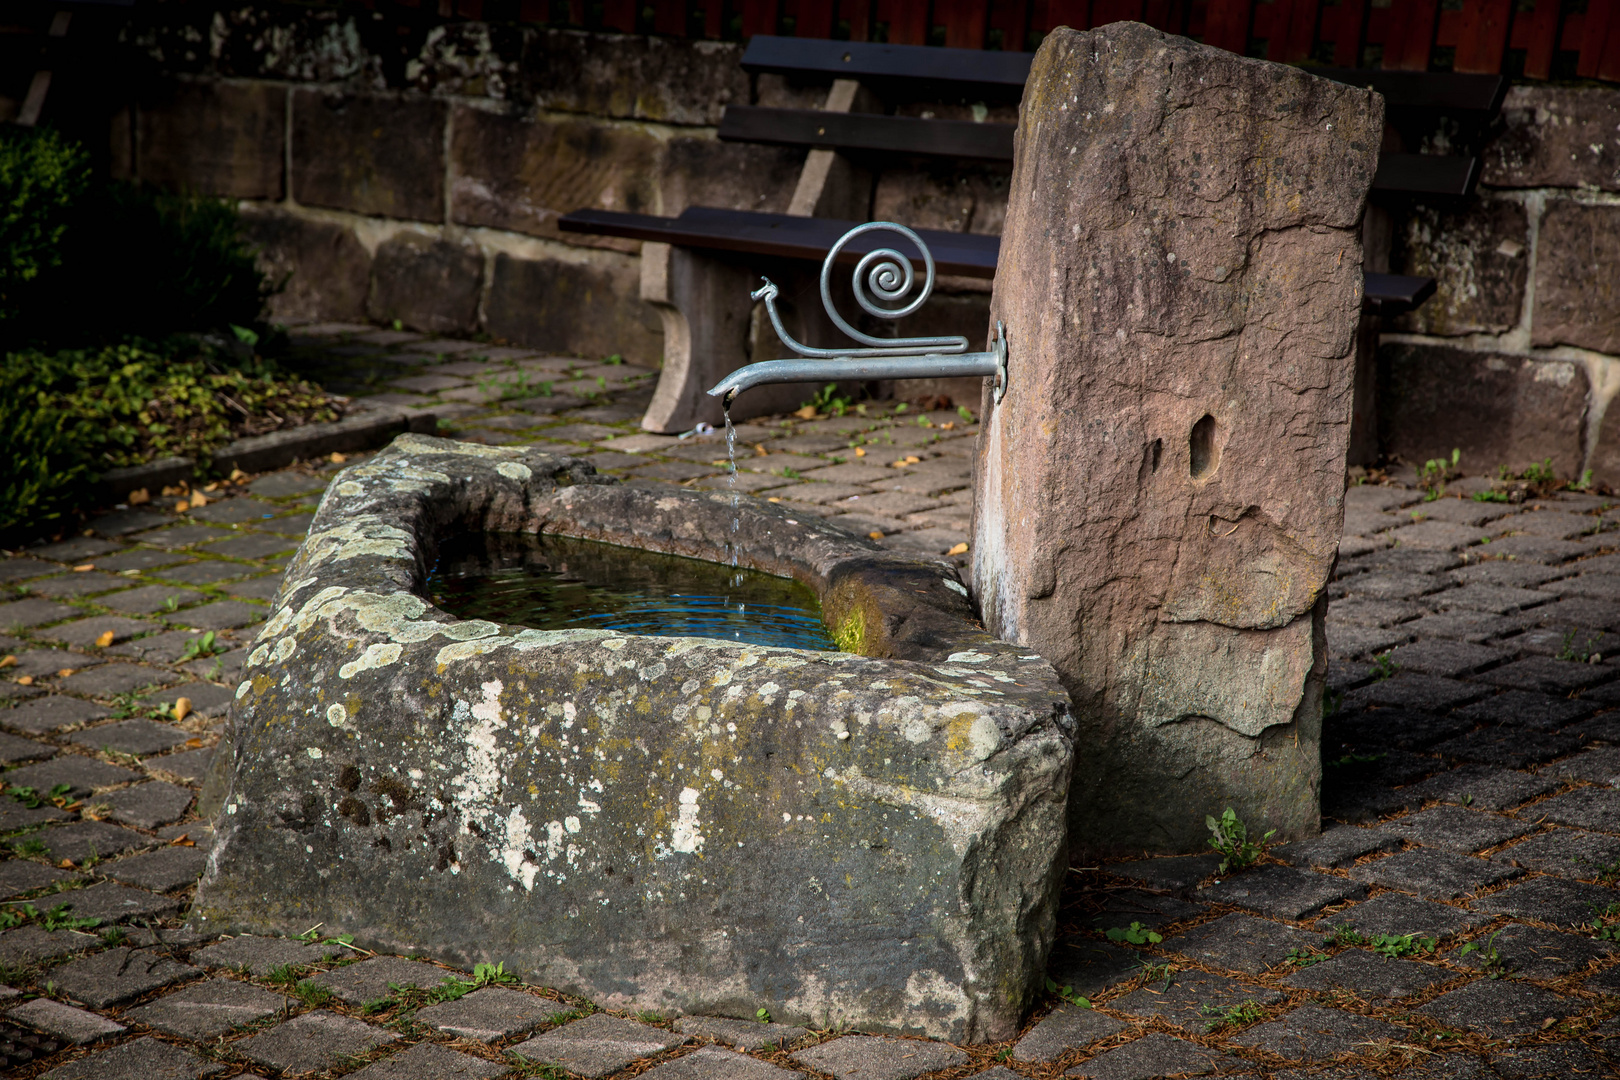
(1533, 39)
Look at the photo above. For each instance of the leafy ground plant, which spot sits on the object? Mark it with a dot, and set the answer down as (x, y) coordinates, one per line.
(1495, 967)
(201, 648)
(1232, 1015)
(1305, 957)
(1066, 993)
(1135, 934)
(1231, 840)
(1398, 945)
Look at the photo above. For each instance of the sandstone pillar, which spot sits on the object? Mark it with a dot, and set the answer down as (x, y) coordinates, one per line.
(1160, 493)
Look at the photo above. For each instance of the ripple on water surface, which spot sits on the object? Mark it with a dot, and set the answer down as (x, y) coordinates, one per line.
(557, 583)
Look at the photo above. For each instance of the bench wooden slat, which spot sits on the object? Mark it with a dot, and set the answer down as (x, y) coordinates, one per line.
(877, 62)
(782, 236)
(1414, 90)
(868, 131)
(1426, 174)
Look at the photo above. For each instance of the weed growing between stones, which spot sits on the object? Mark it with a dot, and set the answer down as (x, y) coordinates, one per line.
(1397, 945)
(1136, 934)
(1231, 841)
(1231, 1016)
(1489, 957)
(1305, 957)
(1066, 993)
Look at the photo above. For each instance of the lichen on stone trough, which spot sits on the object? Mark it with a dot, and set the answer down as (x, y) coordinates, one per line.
(674, 824)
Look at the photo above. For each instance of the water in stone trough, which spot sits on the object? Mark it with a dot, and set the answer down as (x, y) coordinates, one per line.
(555, 583)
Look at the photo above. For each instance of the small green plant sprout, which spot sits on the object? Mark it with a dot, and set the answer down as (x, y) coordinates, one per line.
(965, 413)
(1344, 934)
(1305, 957)
(1490, 495)
(201, 648)
(1580, 654)
(762, 1015)
(33, 800)
(1604, 928)
(1231, 840)
(828, 400)
(1136, 934)
(493, 975)
(615, 359)
(900, 408)
(29, 846)
(284, 975)
(114, 935)
(12, 917)
(1434, 474)
(1398, 945)
(1490, 959)
(1385, 665)
(250, 338)
(1232, 1015)
(1584, 483)
(398, 325)
(1332, 702)
(1066, 993)
(1540, 472)
(312, 993)
(650, 1017)
(171, 604)
(57, 918)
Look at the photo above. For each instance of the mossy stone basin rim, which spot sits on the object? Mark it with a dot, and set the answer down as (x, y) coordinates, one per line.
(673, 824)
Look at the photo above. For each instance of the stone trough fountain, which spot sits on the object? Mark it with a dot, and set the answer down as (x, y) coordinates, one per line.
(873, 837)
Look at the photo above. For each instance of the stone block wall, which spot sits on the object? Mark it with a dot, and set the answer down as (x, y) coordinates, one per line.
(395, 172)
(1516, 358)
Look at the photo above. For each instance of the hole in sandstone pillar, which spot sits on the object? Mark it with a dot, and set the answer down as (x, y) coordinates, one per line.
(1156, 452)
(1205, 447)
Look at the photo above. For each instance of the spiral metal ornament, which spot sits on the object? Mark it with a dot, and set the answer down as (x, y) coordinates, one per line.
(888, 275)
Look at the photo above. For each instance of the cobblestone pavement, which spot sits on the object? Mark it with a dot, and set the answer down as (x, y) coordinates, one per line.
(1447, 923)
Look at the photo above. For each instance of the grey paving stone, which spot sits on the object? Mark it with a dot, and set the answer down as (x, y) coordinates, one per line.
(1548, 675)
(1553, 641)
(430, 1061)
(1183, 1003)
(1549, 900)
(1390, 585)
(1337, 846)
(1459, 829)
(1369, 975)
(117, 975)
(68, 586)
(1125, 906)
(1495, 599)
(81, 774)
(117, 523)
(48, 662)
(1596, 808)
(1379, 733)
(235, 511)
(144, 1059)
(262, 955)
(28, 945)
(741, 1034)
(1475, 626)
(871, 1057)
(226, 667)
(1396, 914)
(85, 633)
(34, 611)
(490, 1014)
(182, 536)
(83, 840)
(1241, 943)
(1375, 612)
(14, 815)
(1501, 572)
(1499, 1007)
(712, 1063)
(22, 569)
(206, 698)
(1347, 641)
(188, 765)
(1536, 953)
(1601, 765)
(108, 680)
(137, 559)
(164, 648)
(1448, 658)
(1433, 874)
(1508, 748)
(260, 588)
(18, 876)
(1536, 549)
(114, 903)
(1178, 873)
(223, 615)
(1527, 709)
(207, 1010)
(139, 737)
(1568, 853)
(253, 545)
(286, 484)
(150, 599)
(1064, 1029)
(1090, 967)
(1482, 787)
(601, 1044)
(1606, 983)
(13, 750)
(1312, 1033)
(1579, 613)
(148, 805)
(315, 1040)
(369, 979)
(1282, 892)
(1602, 728)
(79, 548)
(1415, 692)
(208, 572)
(1148, 1058)
(71, 1025)
(163, 870)
(1551, 1063)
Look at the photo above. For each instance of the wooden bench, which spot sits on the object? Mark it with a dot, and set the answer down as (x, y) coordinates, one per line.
(689, 260)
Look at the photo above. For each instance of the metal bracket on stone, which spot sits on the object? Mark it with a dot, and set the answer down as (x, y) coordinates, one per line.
(889, 275)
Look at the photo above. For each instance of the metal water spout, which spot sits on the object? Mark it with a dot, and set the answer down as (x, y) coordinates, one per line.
(891, 277)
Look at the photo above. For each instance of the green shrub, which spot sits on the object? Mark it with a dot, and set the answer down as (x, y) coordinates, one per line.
(42, 179)
(47, 455)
